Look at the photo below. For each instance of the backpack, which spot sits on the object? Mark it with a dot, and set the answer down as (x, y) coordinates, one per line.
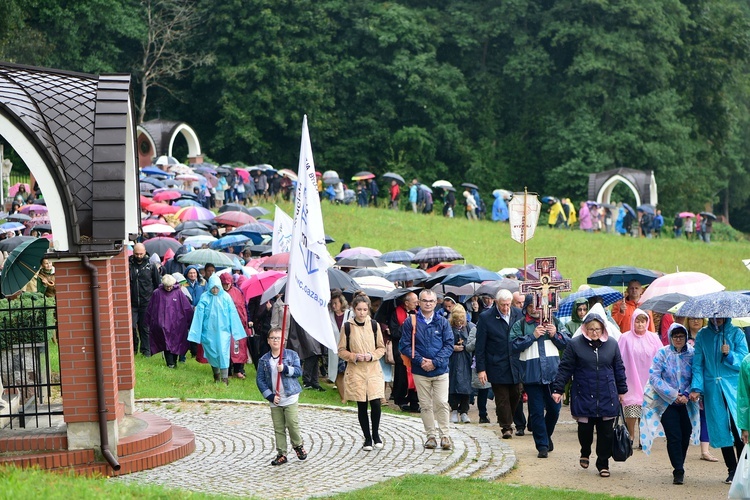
(348, 331)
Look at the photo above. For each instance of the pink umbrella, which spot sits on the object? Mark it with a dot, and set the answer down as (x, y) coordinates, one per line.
(277, 261)
(40, 209)
(686, 283)
(148, 222)
(244, 175)
(189, 177)
(288, 173)
(167, 195)
(162, 209)
(14, 188)
(686, 214)
(372, 252)
(257, 284)
(233, 218)
(146, 201)
(211, 179)
(195, 213)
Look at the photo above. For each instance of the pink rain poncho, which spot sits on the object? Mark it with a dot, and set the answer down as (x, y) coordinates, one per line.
(638, 353)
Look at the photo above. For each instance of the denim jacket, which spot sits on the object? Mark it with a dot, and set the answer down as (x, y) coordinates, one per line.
(292, 371)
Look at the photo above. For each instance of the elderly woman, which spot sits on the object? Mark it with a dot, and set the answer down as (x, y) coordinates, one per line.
(459, 366)
(638, 348)
(340, 313)
(215, 324)
(667, 409)
(361, 346)
(168, 317)
(594, 362)
(483, 389)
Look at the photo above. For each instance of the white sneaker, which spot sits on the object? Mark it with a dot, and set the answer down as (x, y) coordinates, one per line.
(465, 418)
(454, 417)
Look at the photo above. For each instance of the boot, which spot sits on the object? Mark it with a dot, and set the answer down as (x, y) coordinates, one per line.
(217, 377)
(225, 380)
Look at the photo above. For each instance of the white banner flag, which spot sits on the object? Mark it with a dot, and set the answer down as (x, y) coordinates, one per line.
(282, 232)
(519, 214)
(307, 289)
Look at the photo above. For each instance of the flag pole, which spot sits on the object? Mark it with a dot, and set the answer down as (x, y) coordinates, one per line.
(281, 352)
(523, 231)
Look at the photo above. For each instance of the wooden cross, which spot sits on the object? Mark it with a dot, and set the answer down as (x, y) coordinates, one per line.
(546, 291)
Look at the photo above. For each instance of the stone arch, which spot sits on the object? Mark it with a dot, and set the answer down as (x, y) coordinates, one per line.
(160, 136)
(641, 183)
(194, 146)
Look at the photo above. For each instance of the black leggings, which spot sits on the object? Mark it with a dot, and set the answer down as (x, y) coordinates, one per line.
(364, 422)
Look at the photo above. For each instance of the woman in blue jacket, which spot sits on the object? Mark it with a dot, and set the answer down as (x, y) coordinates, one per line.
(595, 365)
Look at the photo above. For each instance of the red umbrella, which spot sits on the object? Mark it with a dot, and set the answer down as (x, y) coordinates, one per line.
(258, 283)
(146, 201)
(162, 209)
(244, 175)
(166, 195)
(234, 218)
(277, 261)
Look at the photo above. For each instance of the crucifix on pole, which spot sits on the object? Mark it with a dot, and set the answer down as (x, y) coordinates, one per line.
(546, 291)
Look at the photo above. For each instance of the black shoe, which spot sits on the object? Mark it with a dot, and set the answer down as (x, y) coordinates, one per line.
(484, 420)
(301, 453)
(520, 432)
(551, 445)
(729, 478)
(543, 453)
(320, 389)
(679, 478)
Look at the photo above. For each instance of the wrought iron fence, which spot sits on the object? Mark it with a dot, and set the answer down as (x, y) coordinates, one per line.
(31, 390)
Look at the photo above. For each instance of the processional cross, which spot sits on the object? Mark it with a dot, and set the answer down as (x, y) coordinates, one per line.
(546, 291)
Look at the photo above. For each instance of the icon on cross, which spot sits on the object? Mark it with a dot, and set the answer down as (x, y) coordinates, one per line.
(546, 291)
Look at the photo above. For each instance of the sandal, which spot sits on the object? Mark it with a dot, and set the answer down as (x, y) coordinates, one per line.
(584, 462)
(279, 460)
(604, 473)
(708, 457)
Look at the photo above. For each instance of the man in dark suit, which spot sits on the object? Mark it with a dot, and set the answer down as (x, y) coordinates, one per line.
(496, 361)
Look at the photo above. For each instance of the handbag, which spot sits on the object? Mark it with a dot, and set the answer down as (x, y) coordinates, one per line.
(741, 483)
(389, 358)
(622, 446)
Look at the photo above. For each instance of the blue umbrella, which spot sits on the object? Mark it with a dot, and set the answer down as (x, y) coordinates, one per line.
(256, 238)
(187, 203)
(621, 276)
(470, 276)
(12, 226)
(152, 170)
(397, 256)
(153, 181)
(406, 274)
(716, 305)
(547, 199)
(629, 209)
(230, 240)
(649, 209)
(255, 227)
(609, 296)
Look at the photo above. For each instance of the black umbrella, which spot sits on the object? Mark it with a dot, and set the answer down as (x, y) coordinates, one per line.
(9, 244)
(153, 181)
(708, 214)
(649, 209)
(195, 232)
(469, 185)
(161, 244)
(329, 239)
(42, 227)
(190, 224)
(258, 249)
(234, 207)
(629, 209)
(366, 271)
(491, 289)
(663, 303)
(339, 279)
(390, 301)
(258, 211)
(361, 260)
(394, 177)
(18, 217)
(439, 276)
(621, 276)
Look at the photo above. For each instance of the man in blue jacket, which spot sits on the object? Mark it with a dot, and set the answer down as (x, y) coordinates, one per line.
(539, 346)
(433, 346)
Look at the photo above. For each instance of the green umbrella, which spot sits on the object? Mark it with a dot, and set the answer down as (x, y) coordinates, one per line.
(22, 265)
(206, 256)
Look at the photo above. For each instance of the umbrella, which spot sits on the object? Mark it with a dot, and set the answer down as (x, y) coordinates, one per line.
(686, 283)
(686, 215)
(708, 214)
(437, 254)
(469, 276)
(158, 228)
(42, 227)
(372, 252)
(234, 219)
(234, 207)
(394, 177)
(243, 174)
(547, 199)
(425, 187)
(152, 181)
(415, 250)
(190, 177)
(339, 279)
(469, 185)
(277, 261)
(329, 239)
(609, 296)
(503, 193)
(330, 174)
(257, 211)
(9, 244)
(230, 240)
(258, 283)
(406, 274)
(275, 289)
(18, 218)
(360, 260)
(508, 272)
(170, 183)
(331, 180)
(198, 240)
(162, 209)
(363, 175)
(145, 201)
(441, 184)
(205, 168)
(195, 213)
(195, 232)
(620, 276)
(166, 195)
(629, 209)
(288, 174)
(161, 244)
(716, 305)
(22, 265)
(166, 160)
(663, 303)
(397, 256)
(493, 287)
(186, 203)
(365, 271)
(153, 170)
(649, 209)
(254, 227)
(439, 275)
(390, 301)
(190, 224)
(257, 249)
(13, 190)
(207, 256)
(375, 282)
(33, 208)
(12, 226)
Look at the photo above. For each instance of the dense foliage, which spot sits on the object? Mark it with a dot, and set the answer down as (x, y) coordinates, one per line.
(533, 93)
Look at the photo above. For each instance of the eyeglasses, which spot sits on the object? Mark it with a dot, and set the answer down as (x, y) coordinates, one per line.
(678, 337)
(594, 330)
(274, 338)
(427, 301)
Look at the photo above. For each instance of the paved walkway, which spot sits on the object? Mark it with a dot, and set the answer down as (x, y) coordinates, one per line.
(235, 446)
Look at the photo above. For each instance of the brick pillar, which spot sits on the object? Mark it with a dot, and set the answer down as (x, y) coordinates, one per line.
(195, 159)
(75, 327)
(123, 331)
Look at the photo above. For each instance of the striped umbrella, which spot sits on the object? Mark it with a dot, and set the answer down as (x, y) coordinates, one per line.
(397, 256)
(608, 294)
(406, 274)
(195, 213)
(433, 255)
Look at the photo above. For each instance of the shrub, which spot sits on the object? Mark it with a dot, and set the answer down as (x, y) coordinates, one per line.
(27, 319)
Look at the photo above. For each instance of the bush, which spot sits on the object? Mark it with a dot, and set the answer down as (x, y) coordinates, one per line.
(28, 319)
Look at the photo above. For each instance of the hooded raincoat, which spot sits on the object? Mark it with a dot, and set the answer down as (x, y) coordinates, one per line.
(238, 351)
(669, 377)
(215, 323)
(717, 376)
(499, 209)
(168, 317)
(575, 319)
(638, 352)
(743, 396)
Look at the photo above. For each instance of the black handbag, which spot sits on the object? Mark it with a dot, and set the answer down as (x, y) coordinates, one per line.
(622, 446)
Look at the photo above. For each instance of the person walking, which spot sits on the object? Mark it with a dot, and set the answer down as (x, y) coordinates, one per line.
(471, 206)
(459, 366)
(395, 193)
(413, 195)
(404, 391)
(144, 279)
(168, 317)
(429, 355)
(238, 354)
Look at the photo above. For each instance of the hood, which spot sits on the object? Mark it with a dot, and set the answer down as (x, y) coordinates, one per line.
(528, 299)
(181, 251)
(574, 317)
(636, 313)
(727, 324)
(197, 270)
(596, 313)
(155, 259)
(214, 281)
(676, 327)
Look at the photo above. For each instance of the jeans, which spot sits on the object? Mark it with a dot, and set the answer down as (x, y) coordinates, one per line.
(482, 396)
(519, 419)
(543, 413)
(433, 398)
(506, 400)
(677, 428)
(604, 435)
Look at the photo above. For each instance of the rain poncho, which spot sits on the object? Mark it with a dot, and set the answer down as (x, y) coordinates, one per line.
(743, 396)
(215, 323)
(168, 317)
(612, 331)
(584, 217)
(637, 353)
(716, 376)
(669, 377)
(499, 209)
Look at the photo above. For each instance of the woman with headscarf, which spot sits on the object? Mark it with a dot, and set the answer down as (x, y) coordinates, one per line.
(638, 348)
(168, 317)
(667, 409)
(215, 324)
(238, 352)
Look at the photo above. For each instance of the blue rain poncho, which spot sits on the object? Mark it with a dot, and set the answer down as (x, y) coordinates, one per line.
(215, 323)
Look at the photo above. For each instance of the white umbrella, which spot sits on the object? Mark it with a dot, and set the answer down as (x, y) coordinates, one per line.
(441, 184)
(166, 160)
(376, 282)
(330, 174)
(158, 228)
(199, 241)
